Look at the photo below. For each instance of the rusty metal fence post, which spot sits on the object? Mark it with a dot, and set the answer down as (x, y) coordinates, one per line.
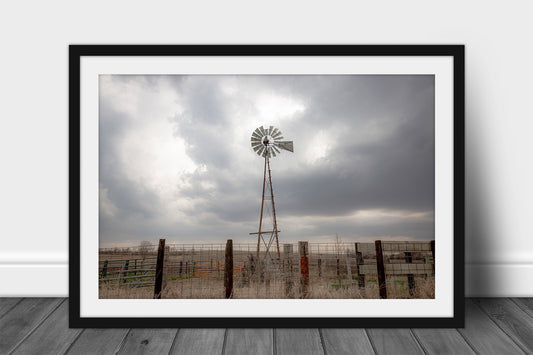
(303, 249)
(359, 261)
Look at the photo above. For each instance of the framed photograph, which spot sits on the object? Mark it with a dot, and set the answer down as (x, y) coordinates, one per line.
(266, 186)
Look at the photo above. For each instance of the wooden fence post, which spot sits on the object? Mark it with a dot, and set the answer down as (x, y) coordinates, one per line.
(319, 267)
(410, 277)
(125, 273)
(359, 261)
(382, 285)
(165, 268)
(159, 269)
(287, 265)
(228, 269)
(303, 249)
(104, 270)
(348, 268)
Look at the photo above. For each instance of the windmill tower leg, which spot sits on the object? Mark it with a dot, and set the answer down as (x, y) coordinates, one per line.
(262, 205)
(273, 210)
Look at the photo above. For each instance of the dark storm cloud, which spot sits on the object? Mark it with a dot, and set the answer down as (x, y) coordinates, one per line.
(394, 170)
(133, 201)
(202, 125)
(377, 133)
(229, 198)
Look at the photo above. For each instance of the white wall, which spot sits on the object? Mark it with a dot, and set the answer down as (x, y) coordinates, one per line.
(34, 110)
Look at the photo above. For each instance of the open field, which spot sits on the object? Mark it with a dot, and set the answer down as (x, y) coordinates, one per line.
(333, 271)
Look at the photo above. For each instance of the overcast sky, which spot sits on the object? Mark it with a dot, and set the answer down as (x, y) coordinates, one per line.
(176, 160)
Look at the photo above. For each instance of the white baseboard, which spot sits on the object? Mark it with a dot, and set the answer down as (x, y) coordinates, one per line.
(34, 280)
(499, 280)
(51, 280)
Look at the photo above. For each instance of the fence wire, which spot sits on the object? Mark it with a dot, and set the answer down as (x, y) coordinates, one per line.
(336, 270)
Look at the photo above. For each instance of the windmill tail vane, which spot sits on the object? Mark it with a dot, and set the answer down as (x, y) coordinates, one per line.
(267, 142)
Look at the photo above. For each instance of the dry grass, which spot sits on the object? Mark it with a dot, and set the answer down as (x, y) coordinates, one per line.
(319, 288)
(197, 273)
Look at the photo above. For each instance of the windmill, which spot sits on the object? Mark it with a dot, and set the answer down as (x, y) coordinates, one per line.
(266, 143)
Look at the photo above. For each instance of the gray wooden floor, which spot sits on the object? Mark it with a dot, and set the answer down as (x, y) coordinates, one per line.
(40, 326)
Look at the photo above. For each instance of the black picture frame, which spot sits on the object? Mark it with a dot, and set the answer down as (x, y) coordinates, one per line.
(77, 52)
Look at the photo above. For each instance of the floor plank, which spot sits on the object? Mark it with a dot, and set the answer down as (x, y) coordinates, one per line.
(484, 335)
(517, 324)
(16, 324)
(394, 341)
(99, 341)
(346, 341)
(40, 325)
(298, 341)
(199, 341)
(442, 341)
(52, 337)
(526, 304)
(249, 341)
(148, 341)
(7, 303)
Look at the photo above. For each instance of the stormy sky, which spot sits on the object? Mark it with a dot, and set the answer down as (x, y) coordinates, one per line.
(176, 161)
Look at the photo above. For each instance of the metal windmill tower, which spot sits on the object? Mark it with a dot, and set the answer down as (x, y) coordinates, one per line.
(266, 143)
